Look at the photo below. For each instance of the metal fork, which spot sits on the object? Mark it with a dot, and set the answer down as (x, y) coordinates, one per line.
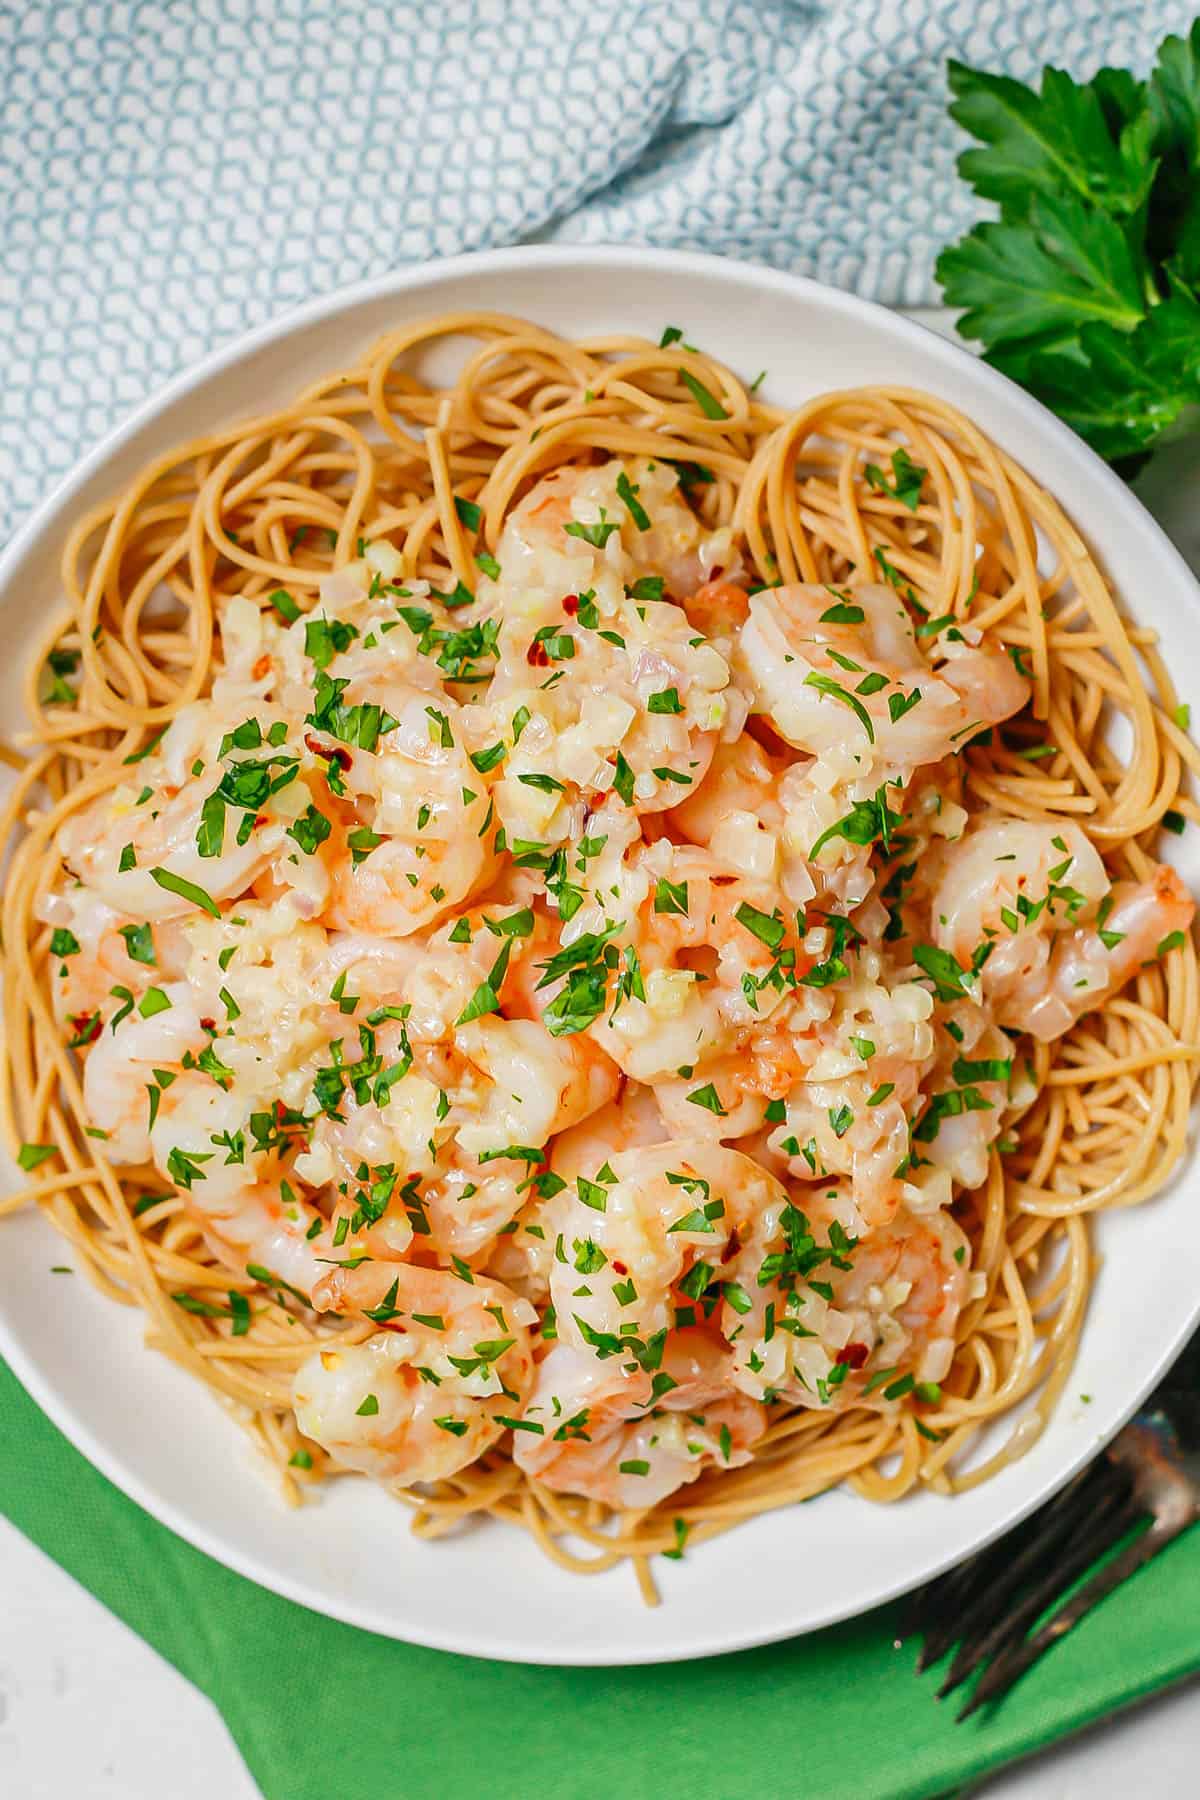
(1145, 1488)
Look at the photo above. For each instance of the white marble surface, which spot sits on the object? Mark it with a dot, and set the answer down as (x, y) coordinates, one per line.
(88, 1710)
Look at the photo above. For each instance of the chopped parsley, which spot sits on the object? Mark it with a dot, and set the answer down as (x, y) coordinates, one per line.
(906, 483)
(186, 890)
(596, 535)
(627, 491)
(707, 401)
(31, 1156)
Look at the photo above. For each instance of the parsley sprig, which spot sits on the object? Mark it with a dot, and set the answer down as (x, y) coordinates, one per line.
(1086, 289)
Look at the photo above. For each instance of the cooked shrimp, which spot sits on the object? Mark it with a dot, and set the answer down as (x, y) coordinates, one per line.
(842, 667)
(413, 840)
(865, 1107)
(157, 821)
(1035, 873)
(672, 544)
(890, 1303)
(596, 1429)
(718, 608)
(869, 1048)
(856, 1126)
(224, 1114)
(739, 811)
(429, 1392)
(735, 1090)
(642, 1222)
(120, 1064)
(966, 1103)
(522, 1251)
(92, 953)
(904, 1291)
(375, 966)
(467, 1103)
(263, 1226)
(1144, 917)
(629, 1122)
(764, 814)
(743, 782)
(552, 1082)
(367, 628)
(523, 1254)
(1032, 909)
(710, 957)
(598, 687)
(467, 1123)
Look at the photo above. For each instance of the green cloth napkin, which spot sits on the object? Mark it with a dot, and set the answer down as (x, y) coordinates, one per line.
(322, 1711)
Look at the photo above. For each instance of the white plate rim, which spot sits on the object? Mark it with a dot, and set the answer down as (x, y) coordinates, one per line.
(482, 264)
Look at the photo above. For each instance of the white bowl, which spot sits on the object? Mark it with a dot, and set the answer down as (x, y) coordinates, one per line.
(489, 1592)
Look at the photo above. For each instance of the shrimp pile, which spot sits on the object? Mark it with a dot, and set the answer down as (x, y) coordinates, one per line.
(597, 996)
(579, 1026)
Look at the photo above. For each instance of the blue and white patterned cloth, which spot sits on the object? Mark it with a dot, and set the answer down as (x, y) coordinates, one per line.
(175, 171)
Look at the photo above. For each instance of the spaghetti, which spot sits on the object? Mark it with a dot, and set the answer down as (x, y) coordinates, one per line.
(374, 454)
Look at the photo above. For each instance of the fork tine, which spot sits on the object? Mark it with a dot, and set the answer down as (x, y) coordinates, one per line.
(994, 1623)
(1016, 1658)
(946, 1595)
(935, 1610)
(947, 1591)
(941, 1621)
(939, 1610)
(1001, 1569)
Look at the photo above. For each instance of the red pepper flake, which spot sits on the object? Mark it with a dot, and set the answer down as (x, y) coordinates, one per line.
(208, 1024)
(853, 1355)
(92, 1023)
(261, 668)
(620, 1267)
(331, 752)
(570, 604)
(732, 1247)
(538, 656)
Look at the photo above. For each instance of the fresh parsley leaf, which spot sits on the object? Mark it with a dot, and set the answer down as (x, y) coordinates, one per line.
(139, 942)
(595, 535)
(1085, 288)
(1060, 140)
(907, 479)
(825, 684)
(186, 890)
(30, 1156)
(627, 491)
(1039, 281)
(284, 605)
(707, 401)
